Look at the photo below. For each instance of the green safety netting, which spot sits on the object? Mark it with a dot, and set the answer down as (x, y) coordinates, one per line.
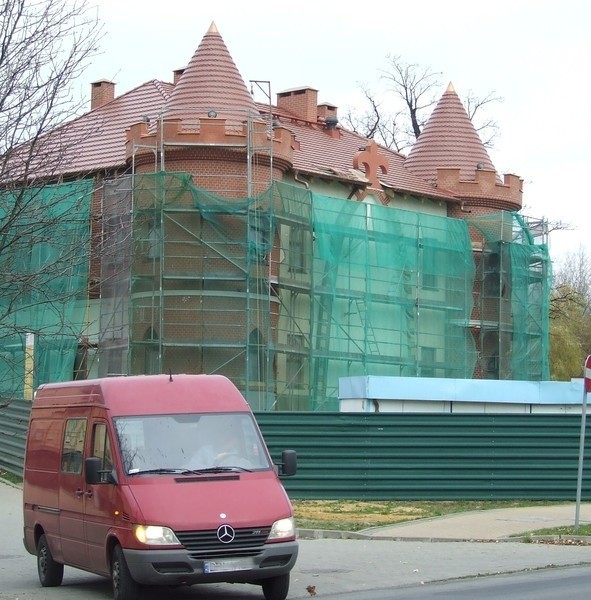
(285, 292)
(43, 285)
(516, 274)
(393, 292)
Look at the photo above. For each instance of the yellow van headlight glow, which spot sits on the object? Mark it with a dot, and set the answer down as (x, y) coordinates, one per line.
(156, 535)
(284, 528)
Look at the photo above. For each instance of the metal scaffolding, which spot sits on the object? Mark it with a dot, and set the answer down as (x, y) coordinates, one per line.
(285, 291)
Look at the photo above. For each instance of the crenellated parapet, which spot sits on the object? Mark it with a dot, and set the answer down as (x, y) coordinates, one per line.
(486, 188)
(146, 138)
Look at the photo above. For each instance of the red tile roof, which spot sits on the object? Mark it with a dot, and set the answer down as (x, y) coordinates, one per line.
(96, 140)
(449, 139)
(318, 152)
(211, 81)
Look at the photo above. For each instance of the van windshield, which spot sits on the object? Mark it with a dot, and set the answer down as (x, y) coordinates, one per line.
(190, 442)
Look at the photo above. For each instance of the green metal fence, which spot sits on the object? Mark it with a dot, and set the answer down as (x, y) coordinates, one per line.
(406, 456)
(412, 456)
(14, 422)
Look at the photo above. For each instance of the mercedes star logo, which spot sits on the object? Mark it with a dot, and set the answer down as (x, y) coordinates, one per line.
(226, 534)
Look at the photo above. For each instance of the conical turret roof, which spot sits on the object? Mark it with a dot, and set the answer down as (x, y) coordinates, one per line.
(211, 82)
(449, 139)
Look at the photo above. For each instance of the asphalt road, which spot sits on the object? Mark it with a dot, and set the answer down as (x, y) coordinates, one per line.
(360, 569)
(546, 584)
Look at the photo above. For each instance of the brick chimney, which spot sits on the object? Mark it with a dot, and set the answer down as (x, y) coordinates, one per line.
(176, 75)
(300, 102)
(326, 110)
(102, 91)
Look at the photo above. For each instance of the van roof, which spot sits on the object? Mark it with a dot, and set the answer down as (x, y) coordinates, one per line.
(146, 394)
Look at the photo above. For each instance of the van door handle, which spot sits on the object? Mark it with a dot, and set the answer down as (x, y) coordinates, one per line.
(88, 493)
(79, 493)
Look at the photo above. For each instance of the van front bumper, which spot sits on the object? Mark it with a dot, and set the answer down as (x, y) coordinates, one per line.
(178, 567)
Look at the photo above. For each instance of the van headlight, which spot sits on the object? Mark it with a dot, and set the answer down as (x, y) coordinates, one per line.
(155, 535)
(284, 528)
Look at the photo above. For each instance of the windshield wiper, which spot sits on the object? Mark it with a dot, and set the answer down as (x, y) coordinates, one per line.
(160, 470)
(228, 469)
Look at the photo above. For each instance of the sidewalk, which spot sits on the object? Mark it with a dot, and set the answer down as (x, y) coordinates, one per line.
(484, 525)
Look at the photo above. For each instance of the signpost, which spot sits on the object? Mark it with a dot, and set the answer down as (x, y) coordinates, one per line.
(586, 388)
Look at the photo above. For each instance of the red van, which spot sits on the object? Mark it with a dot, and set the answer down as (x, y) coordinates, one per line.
(155, 480)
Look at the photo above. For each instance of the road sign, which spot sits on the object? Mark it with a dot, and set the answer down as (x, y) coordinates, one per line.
(588, 374)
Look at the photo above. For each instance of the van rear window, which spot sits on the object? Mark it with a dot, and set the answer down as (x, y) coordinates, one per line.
(43, 452)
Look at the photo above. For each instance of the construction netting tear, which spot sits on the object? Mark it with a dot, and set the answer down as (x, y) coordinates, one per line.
(44, 263)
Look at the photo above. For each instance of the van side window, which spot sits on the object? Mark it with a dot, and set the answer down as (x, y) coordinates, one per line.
(73, 446)
(101, 447)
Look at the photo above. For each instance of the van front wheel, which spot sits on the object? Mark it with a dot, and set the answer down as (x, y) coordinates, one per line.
(50, 572)
(124, 586)
(276, 588)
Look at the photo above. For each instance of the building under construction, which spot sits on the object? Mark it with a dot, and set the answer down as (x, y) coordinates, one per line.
(265, 242)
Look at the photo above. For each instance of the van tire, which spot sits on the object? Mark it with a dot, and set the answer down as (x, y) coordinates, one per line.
(50, 572)
(276, 588)
(124, 586)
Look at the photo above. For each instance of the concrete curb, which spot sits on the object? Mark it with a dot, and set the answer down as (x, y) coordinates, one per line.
(18, 486)
(331, 534)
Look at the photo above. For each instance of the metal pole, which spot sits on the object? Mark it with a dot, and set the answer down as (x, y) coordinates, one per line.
(586, 388)
(581, 453)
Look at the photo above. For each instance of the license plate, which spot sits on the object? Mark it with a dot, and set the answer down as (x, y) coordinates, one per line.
(222, 566)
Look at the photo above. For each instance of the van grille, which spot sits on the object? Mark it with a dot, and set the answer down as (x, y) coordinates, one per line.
(206, 543)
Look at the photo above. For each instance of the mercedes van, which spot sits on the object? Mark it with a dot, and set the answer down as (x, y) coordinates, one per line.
(155, 480)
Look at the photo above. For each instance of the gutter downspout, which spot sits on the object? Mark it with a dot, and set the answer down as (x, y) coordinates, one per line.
(297, 178)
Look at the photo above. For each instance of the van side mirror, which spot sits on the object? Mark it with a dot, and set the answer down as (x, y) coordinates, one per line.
(289, 463)
(93, 472)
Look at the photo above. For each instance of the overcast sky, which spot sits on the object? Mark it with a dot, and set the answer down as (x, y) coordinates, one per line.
(535, 54)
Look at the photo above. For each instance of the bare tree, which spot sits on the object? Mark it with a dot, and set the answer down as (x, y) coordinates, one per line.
(414, 90)
(415, 86)
(570, 315)
(573, 273)
(487, 127)
(44, 46)
(376, 123)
